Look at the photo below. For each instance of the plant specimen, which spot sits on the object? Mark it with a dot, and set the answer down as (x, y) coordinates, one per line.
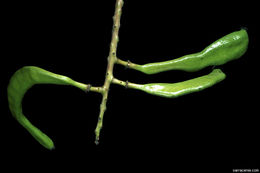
(223, 50)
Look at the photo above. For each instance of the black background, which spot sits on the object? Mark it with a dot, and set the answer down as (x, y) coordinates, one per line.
(216, 127)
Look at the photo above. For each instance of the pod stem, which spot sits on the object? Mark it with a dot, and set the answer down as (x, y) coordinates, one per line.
(87, 87)
(126, 84)
(128, 64)
(111, 61)
(94, 89)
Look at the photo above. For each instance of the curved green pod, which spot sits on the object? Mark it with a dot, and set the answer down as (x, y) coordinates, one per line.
(227, 48)
(20, 82)
(173, 90)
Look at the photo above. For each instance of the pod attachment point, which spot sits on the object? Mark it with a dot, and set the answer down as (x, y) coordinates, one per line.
(88, 88)
(128, 64)
(126, 84)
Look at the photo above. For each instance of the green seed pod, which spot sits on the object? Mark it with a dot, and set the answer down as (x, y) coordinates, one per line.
(20, 82)
(227, 48)
(173, 90)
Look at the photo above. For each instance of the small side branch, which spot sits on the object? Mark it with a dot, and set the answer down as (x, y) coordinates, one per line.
(94, 89)
(126, 84)
(127, 64)
(88, 87)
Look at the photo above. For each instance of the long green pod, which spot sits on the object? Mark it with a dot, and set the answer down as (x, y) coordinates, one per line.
(173, 90)
(227, 48)
(20, 82)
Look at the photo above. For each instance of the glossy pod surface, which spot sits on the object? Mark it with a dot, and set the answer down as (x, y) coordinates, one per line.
(172, 90)
(227, 48)
(20, 82)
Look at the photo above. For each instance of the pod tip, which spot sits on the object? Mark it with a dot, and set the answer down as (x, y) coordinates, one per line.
(52, 148)
(244, 28)
(96, 142)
